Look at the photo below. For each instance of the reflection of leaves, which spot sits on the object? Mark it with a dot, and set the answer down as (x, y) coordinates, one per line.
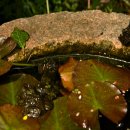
(92, 70)
(4, 66)
(85, 101)
(11, 119)
(59, 118)
(66, 72)
(11, 86)
(7, 46)
(20, 37)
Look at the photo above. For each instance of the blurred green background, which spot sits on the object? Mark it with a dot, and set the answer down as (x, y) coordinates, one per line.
(12, 9)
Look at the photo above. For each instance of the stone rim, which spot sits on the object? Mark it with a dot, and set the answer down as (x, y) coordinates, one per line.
(74, 40)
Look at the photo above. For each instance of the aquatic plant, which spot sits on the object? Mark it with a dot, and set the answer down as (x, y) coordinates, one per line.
(74, 94)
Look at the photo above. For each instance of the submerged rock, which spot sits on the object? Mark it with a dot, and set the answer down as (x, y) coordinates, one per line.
(93, 32)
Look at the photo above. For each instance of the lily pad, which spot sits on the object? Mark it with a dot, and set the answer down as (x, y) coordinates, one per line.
(66, 71)
(7, 46)
(10, 87)
(4, 66)
(86, 101)
(92, 70)
(11, 119)
(58, 118)
(20, 37)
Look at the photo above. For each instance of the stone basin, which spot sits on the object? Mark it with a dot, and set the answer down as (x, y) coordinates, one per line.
(86, 32)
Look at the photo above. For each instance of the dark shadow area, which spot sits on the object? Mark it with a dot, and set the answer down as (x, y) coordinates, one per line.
(13, 9)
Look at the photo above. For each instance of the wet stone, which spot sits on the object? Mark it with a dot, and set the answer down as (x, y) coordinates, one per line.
(35, 102)
(91, 31)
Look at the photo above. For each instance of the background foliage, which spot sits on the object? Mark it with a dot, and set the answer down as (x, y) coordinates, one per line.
(12, 9)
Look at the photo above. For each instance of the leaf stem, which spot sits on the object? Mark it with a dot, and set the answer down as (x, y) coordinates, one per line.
(47, 6)
(89, 4)
(23, 64)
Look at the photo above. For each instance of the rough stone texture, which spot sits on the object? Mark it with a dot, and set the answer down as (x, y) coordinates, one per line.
(93, 32)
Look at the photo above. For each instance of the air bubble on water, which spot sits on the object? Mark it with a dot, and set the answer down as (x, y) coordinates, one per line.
(38, 85)
(117, 97)
(79, 92)
(124, 110)
(87, 85)
(120, 125)
(80, 97)
(78, 113)
(91, 110)
(123, 94)
(89, 128)
(100, 116)
(84, 124)
(123, 91)
(76, 91)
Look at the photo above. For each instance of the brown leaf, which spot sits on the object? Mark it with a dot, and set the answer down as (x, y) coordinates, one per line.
(11, 119)
(66, 71)
(4, 66)
(6, 47)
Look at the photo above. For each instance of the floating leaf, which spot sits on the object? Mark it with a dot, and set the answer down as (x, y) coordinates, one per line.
(59, 118)
(11, 119)
(10, 87)
(66, 71)
(92, 70)
(4, 66)
(20, 37)
(85, 102)
(7, 46)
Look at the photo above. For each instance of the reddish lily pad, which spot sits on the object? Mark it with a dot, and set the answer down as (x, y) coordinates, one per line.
(66, 71)
(86, 101)
(10, 87)
(92, 70)
(11, 119)
(4, 66)
(6, 47)
(58, 118)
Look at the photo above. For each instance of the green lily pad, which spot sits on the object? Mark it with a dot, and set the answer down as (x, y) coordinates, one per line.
(86, 101)
(20, 37)
(58, 118)
(7, 46)
(4, 66)
(11, 119)
(92, 70)
(10, 87)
